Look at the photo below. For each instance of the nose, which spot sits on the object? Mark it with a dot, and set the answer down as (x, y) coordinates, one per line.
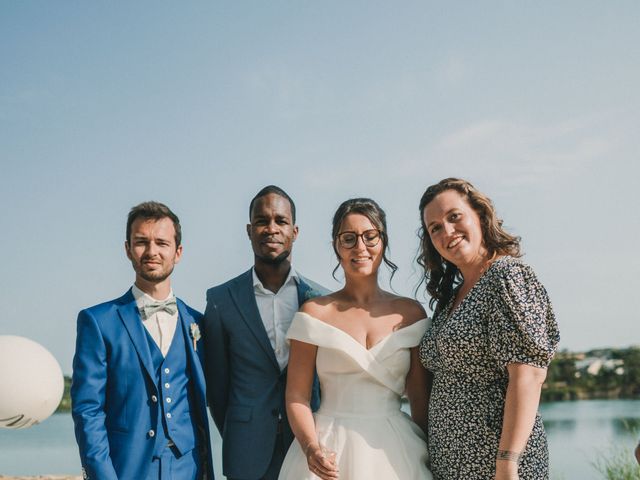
(359, 246)
(272, 227)
(448, 228)
(151, 249)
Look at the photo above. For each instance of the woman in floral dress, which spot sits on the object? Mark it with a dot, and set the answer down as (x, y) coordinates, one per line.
(491, 340)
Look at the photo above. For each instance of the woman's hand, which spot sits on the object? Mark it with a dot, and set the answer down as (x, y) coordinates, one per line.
(319, 464)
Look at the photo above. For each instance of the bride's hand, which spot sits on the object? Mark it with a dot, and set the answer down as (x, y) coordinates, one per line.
(319, 464)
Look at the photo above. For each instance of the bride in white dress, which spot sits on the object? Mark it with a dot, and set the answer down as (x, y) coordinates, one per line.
(362, 342)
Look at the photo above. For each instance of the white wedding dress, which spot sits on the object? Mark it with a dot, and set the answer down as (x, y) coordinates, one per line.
(359, 416)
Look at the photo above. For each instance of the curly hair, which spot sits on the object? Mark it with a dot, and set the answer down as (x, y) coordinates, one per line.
(377, 217)
(442, 276)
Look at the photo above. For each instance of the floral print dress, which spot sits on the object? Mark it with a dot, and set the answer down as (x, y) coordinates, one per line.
(505, 318)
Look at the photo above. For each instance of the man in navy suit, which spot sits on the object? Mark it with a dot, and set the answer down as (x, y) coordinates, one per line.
(138, 391)
(246, 352)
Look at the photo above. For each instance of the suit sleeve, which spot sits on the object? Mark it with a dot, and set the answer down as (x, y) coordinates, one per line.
(216, 363)
(88, 399)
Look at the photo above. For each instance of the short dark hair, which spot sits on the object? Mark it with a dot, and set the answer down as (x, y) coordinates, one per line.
(278, 191)
(376, 215)
(153, 211)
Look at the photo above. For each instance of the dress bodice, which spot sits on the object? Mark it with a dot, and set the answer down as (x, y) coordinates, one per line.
(356, 381)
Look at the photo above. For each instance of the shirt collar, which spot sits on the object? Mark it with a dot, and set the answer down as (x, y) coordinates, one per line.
(291, 277)
(145, 299)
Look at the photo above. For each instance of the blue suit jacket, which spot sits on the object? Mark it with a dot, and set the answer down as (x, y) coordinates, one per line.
(113, 382)
(245, 386)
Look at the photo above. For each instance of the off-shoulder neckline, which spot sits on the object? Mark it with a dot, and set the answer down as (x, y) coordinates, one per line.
(364, 347)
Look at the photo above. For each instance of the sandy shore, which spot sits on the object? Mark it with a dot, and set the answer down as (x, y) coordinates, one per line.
(42, 477)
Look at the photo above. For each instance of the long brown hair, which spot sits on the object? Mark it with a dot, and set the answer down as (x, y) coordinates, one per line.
(442, 276)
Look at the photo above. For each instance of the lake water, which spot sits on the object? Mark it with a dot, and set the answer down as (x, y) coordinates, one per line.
(578, 433)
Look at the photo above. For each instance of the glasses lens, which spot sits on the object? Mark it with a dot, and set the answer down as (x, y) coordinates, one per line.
(371, 237)
(348, 239)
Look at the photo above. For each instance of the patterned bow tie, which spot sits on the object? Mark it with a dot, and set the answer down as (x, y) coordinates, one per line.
(168, 306)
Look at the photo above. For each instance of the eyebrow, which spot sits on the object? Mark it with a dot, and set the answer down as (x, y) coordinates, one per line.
(445, 214)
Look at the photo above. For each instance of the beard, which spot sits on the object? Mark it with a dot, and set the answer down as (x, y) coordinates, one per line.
(274, 260)
(155, 276)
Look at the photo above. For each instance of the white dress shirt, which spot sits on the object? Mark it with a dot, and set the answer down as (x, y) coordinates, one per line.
(161, 325)
(276, 311)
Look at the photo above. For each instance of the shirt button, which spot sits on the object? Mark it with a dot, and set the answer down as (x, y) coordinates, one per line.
(168, 415)
(154, 399)
(168, 399)
(166, 385)
(151, 433)
(166, 370)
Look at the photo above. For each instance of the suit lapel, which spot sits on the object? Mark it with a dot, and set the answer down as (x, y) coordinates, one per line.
(131, 318)
(245, 301)
(185, 320)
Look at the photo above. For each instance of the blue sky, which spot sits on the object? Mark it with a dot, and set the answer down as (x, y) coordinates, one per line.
(200, 104)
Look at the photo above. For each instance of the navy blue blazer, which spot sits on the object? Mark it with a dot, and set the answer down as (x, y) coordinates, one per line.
(245, 387)
(112, 386)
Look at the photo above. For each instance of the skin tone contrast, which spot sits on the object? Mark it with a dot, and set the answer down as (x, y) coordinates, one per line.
(368, 314)
(153, 254)
(456, 233)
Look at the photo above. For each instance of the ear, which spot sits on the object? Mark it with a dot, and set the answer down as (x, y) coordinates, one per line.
(249, 230)
(295, 232)
(127, 249)
(178, 254)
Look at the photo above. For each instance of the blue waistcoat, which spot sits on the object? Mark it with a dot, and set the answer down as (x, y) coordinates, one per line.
(176, 403)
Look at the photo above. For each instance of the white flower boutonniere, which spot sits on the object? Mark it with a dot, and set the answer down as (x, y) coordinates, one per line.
(194, 330)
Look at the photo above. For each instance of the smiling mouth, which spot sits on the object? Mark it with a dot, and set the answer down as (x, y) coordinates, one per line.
(454, 243)
(361, 259)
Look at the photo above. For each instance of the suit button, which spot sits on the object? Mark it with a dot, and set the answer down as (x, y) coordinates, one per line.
(274, 412)
(168, 415)
(166, 370)
(151, 433)
(168, 399)
(166, 385)
(154, 399)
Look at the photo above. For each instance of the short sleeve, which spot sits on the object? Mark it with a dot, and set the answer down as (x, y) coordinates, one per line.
(523, 328)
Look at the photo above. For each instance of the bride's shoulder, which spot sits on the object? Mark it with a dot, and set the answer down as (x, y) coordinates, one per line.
(410, 309)
(319, 307)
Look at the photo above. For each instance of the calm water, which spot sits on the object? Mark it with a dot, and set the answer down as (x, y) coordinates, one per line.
(578, 432)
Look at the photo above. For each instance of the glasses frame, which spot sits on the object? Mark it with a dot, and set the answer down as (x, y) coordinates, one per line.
(367, 243)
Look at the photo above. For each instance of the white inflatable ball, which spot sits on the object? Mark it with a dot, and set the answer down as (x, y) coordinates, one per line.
(31, 382)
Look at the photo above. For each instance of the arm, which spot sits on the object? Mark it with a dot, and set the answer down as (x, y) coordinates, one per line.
(300, 373)
(216, 365)
(638, 453)
(418, 389)
(521, 405)
(88, 399)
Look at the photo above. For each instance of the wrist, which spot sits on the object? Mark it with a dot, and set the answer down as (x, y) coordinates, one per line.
(309, 447)
(509, 456)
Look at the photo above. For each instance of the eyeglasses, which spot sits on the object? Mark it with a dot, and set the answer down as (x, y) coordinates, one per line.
(350, 239)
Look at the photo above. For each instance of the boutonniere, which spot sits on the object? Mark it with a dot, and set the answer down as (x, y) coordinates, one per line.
(194, 330)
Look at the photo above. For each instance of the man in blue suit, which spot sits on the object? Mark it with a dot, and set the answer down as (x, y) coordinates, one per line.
(138, 391)
(246, 352)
